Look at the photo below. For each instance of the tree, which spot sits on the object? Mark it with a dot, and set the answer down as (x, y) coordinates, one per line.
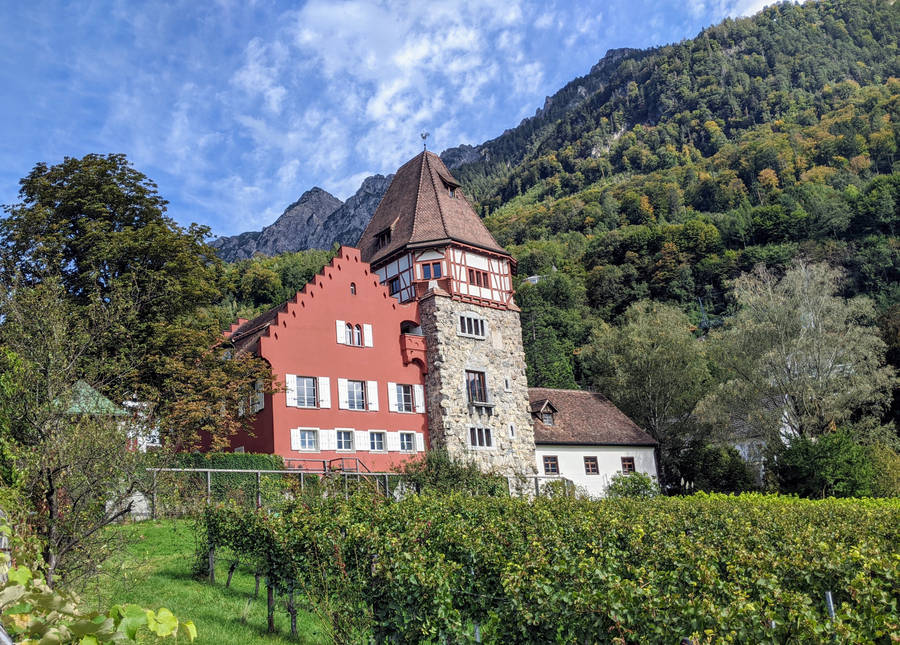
(832, 465)
(797, 359)
(651, 366)
(101, 227)
(654, 370)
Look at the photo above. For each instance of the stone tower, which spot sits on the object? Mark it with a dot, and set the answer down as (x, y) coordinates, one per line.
(427, 245)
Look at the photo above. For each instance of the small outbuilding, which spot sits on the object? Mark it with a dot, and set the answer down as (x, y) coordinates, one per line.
(583, 437)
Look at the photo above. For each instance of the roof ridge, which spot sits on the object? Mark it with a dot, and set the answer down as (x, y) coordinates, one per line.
(437, 197)
(418, 193)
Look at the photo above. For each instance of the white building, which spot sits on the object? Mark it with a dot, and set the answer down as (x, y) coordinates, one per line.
(584, 438)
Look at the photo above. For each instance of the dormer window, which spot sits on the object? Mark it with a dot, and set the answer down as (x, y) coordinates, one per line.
(452, 191)
(544, 411)
(547, 418)
(383, 238)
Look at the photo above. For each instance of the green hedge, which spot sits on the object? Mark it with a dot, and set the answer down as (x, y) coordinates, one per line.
(232, 460)
(717, 568)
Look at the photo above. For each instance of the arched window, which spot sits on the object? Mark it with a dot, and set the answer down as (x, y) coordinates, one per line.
(349, 335)
(352, 288)
(358, 337)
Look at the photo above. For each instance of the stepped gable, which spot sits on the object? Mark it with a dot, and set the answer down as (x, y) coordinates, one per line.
(245, 335)
(419, 211)
(583, 418)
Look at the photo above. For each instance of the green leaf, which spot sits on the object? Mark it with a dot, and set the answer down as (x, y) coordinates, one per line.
(133, 618)
(188, 630)
(20, 575)
(166, 622)
(89, 640)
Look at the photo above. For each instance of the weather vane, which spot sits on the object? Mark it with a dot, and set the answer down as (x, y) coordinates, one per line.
(424, 136)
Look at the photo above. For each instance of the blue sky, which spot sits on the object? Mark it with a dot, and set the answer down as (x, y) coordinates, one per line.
(235, 108)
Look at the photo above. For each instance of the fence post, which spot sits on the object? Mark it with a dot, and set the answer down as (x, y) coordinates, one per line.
(387, 486)
(212, 565)
(537, 486)
(208, 486)
(258, 489)
(153, 497)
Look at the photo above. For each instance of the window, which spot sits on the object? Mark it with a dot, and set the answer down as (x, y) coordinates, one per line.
(451, 191)
(480, 438)
(394, 286)
(382, 239)
(349, 334)
(345, 440)
(471, 326)
(407, 442)
(307, 396)
(478, 278)
(507, 385)
(547, 418)
(376, 441)
(551, 465)
(431, 270)
(306, 440)
(357, 336)
(404, 398)
(627, 465)
(356, 395)
(476, 387)
(512, 431)
(591, 467)
(352, 288)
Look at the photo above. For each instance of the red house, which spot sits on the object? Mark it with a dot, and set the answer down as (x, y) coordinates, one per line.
(351, 360)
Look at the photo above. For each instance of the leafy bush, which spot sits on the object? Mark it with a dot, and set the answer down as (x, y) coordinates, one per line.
(436, 472)
(713, 468)
(830, 465)
(632, 485)
(886, 471)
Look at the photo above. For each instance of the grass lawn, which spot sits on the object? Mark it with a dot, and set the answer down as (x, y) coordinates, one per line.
(154, 571)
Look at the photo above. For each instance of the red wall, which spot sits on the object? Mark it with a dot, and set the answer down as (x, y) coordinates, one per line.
(303, 341)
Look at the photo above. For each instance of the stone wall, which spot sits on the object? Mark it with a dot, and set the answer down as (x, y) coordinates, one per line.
(501, 357)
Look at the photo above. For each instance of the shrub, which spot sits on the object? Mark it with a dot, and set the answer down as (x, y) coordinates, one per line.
(632, 485)
(437, 472)
(886, 471)
(712, 468)
(832, 465)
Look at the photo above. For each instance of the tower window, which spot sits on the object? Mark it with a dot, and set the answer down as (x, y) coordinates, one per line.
(478, 278)
(431, 270)
(394, 286)
(452, 191)
(383, 238)
(352, 288)
(480, 438)
(476, 387)
(471, 326)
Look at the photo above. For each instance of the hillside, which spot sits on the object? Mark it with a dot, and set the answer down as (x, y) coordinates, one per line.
(664, 173)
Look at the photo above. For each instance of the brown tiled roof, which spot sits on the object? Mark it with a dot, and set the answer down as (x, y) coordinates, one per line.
(247, 334)
(418, 209)
(584, 418)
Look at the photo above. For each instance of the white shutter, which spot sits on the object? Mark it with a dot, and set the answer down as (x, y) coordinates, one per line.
(340, 327)
(290, 384)
(419, 398)
(324, 392)
(327, 439)
(367, 335)
(360, 440)
(295, 438)
(342, 394)
(392, 397)
(372, 395)
(393, 441)
(420, 442)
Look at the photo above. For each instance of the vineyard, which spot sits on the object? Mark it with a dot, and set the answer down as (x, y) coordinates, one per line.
(460, 568)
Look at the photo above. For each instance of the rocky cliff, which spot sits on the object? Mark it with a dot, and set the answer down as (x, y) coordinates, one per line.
(346, 224)
(289, 232)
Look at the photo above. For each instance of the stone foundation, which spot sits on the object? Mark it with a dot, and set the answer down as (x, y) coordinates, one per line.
(501, 357)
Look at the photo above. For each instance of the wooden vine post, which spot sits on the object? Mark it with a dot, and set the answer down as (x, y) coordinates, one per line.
(270, 603)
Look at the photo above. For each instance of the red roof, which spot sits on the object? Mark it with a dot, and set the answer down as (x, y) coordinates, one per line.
(583, 418)
(418, 210)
